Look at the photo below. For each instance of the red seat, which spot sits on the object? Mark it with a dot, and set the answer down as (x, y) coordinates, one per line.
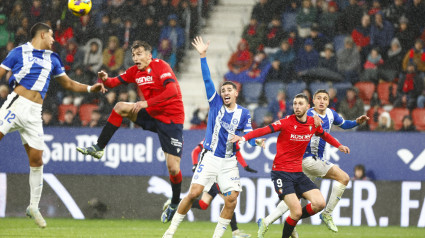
(384, 92)
(85, 112)
(397, 115)
(62, 109)
(418, 116)
(366, 90)
(371, 122)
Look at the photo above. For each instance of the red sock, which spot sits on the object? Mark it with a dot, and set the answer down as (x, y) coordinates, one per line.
(175, 179)
(115, 118)
(290, 221)
(309, 209)
(203, 205)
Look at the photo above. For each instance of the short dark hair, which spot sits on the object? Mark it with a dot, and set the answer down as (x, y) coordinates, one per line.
(302, 95)
(320, 91)
(144, 44)
(229, 83)
(39, 26)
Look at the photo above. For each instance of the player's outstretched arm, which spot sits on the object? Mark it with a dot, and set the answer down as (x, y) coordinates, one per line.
(334, 142)
(351, 124)
(69, 84)
(206, 75)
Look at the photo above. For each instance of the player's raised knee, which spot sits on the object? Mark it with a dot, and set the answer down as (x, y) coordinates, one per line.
(121, 108)
(344, 178)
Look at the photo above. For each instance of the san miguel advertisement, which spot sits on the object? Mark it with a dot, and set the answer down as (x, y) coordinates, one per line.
(133, 166)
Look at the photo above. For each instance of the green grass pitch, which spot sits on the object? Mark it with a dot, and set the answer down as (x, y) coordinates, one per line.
(21, 227)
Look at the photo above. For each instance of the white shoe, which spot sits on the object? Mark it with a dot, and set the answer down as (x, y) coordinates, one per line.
(240, 234)
(34, 213)
(294, 233)
(167, 235)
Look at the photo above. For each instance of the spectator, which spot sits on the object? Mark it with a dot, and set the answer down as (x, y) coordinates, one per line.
(328, 20)
(163, 9)
(333, 99)
(16, 16)
(36, 12)
(127, 33)
(145, 10)
(407, 124)
(274, 36)
(149, 31)
(113, 56)
(240, 60)
(70, 120)
(85, 30)
(5, 35)
(175, 34)
(286, 57)
(394, 11)
(416, 14)
(416, 55)
(392, 65)
(348, 61)
(106, 29)
(361, 37)
(81, 76)
(107, 104)
(93, 56)
(370, 73)
(72, 56)
(96, 119)
(48, 118)
(278, 107)
(199, 120)
(350, 18)
(4, 91)
(165, 52)
(409, 88)
(385, 123)
(351, 106)
(188, 14)
(405, 35)
(375, 8)
(421, 99)
(319, 40)
(253, 33)
(306, 16)
(21, 34)
(267, 120)
(307, 92)
(63, 32)
(307, 58)
(262, 12)
(258, 70)
(360, 173)
(327, 58)
(381, 33)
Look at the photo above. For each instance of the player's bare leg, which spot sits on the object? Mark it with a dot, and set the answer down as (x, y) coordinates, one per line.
(36, 184)
(230, 200)
(173, 166)
(184, 206)
(341, 181)
(295, 212)
(121, 110)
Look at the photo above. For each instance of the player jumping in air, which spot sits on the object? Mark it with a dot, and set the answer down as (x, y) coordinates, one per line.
(33, 65)
(161, 112)
(314, 165)
(287, 176)
(218, 162)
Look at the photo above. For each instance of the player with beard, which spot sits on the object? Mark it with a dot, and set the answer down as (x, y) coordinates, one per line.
(287, 175)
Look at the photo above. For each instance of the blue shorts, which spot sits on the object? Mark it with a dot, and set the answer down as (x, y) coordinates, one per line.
(170, 135)
(291, 182)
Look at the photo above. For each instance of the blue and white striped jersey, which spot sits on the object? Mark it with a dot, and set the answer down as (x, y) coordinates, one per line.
(316, 147)
(223, 124)
(32, 68)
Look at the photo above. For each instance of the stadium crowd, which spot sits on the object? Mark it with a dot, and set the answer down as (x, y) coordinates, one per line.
(369, 55)
(98, 41)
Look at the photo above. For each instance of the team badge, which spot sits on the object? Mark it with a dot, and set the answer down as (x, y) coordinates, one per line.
(295, 127)
(310, 127)
(235, 121)
(280, 191)
(149, 70)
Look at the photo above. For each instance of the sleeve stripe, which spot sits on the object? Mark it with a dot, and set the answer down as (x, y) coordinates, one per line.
(62, 74)
(5, 67)
(212, 97)
(122, 80)
(168, 81)
(271, 127)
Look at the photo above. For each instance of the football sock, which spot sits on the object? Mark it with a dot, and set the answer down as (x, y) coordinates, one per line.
(221, 227)
(112, 125)
(175, 222)
(276, 213)
(199, 204)
(336, 194)
(233, 223)
(288, 227)
(36, 185)
(176, 186)
(307, 211)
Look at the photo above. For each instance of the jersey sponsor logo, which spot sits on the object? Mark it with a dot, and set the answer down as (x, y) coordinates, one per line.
(176, 142)
(165, 75)
(38, 61)
(301, 137)
(144, 80)
(228, 127)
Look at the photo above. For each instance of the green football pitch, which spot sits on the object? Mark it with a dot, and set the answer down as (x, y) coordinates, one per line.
(21, 227)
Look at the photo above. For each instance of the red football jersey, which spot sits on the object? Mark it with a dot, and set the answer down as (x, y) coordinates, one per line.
(151, 82)
(292, 141)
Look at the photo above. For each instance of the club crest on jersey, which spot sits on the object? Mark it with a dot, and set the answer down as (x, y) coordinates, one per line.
(235, 121)
(149, 70)
(295, 127)
(310, 127)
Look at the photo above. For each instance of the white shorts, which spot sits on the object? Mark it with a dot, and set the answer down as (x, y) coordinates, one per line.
(223, 171)
(23, 115)
(314, 168)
